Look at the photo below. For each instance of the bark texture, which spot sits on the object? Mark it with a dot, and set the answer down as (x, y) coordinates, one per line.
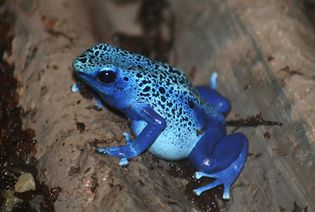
(264, 53)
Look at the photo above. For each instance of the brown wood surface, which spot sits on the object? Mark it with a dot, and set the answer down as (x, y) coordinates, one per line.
(264, 53)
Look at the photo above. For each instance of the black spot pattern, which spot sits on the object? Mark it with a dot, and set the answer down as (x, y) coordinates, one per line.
(166, 89)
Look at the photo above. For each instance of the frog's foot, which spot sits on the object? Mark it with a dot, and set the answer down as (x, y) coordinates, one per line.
(213, 81)
(126, 151)
(223, 161)
(117, 151)
(76, 87)
(225, 177)
(219, 181)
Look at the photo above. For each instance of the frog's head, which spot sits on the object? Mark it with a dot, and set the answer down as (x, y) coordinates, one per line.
(99, 68)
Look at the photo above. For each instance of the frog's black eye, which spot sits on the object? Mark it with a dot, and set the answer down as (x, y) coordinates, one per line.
(106, 77)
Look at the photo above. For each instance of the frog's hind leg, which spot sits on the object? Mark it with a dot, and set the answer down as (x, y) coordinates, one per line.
(213, 97)
(222, 160)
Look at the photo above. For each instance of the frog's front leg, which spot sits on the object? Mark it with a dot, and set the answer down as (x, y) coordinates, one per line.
(156, 124)
(219, 157)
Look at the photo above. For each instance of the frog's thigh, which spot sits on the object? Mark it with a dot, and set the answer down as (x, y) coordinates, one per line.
(214, 153)
(230, 149)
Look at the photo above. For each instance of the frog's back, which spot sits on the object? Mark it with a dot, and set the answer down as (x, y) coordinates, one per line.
(107, 54)
(169, 92)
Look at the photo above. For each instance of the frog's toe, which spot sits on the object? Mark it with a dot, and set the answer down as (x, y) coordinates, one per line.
(226, 192)
(123, 162)
(115, 152)
(99, 104)
(112, 151)
(213, 80)
(101, 150)
(199, 175)
(217, 182)
(127, 138)
(198, 191)
(75, 87)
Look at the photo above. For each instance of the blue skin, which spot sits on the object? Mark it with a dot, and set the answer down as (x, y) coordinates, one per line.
(170, 118)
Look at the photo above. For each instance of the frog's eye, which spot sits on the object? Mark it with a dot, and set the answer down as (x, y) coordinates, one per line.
(106, 77)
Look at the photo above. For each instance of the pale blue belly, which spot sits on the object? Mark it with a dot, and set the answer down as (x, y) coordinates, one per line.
(171, 144)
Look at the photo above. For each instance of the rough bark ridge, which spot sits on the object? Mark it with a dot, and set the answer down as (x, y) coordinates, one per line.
(264, 54)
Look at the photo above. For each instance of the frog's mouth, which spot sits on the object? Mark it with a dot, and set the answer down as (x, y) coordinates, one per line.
(85, 78)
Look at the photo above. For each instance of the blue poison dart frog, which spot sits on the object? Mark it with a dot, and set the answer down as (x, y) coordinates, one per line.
(169, 117)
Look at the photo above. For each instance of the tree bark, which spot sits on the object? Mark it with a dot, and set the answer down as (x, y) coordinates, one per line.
(264, 54)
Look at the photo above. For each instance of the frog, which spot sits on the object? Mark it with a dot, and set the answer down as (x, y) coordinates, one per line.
(170, 118)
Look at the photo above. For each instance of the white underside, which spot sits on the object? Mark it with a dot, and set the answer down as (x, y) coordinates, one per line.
(167, 146)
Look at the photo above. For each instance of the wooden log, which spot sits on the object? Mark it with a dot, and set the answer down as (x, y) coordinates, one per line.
(264, 56)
